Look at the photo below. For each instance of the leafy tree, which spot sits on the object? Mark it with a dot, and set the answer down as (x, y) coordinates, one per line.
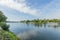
(3, 24)
(2, 17)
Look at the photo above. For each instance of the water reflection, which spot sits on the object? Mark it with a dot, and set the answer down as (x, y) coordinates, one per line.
(37, 34)
(37, 25)
(55, 25)
(34, 31)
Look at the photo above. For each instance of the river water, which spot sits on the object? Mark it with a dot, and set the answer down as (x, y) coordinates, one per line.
(31, 31)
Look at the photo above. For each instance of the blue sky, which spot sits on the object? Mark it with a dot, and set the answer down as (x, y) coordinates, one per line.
(30, 9)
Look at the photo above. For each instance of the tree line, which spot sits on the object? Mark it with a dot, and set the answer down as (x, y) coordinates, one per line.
(42, 20)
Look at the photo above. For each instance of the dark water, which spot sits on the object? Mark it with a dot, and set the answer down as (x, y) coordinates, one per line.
(31, 31)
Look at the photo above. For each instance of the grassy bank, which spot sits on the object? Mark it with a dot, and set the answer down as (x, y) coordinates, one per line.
(13, 35)
(7, 35)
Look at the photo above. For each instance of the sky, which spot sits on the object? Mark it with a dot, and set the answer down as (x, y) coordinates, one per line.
(17, 10)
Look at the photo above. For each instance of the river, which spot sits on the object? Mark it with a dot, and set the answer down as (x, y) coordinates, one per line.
(30, 31)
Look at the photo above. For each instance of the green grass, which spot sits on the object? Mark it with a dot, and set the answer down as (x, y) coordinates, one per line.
(13, 36)
(8, 34)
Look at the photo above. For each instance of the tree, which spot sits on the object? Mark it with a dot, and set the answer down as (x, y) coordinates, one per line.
(2, 17)
(3, 24)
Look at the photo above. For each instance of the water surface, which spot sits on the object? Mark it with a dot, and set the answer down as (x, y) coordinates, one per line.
(31, 31)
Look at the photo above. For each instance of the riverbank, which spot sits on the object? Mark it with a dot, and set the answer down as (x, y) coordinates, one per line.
(7, 35)
(41, 21)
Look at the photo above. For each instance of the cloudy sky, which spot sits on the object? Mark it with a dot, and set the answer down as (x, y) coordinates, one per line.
(30, 9)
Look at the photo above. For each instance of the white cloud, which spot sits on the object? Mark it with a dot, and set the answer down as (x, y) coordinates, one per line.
(51, 10)
(22, 7)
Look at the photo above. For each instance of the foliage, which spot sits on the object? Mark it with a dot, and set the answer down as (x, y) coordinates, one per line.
(4, 26)
(7, 35)
(42, 21)
(13, 35)
(2, 17)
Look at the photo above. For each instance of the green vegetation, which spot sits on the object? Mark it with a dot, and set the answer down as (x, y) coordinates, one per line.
(7, 35)
(40, 21)
(4, 26)
(13, 36)
(3, 18)
(4, 29)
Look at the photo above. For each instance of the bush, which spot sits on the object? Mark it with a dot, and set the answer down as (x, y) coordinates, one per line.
(4, 26)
